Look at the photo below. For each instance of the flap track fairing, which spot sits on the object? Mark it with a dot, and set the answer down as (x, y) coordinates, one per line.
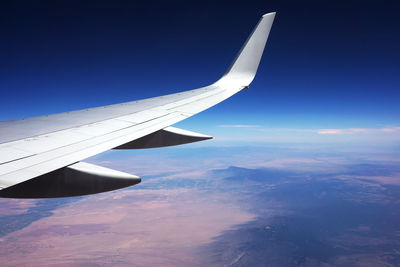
(75, 180)
(169, 136)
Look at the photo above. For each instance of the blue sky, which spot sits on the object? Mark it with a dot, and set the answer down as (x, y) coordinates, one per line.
(324, 104)
(329, 71)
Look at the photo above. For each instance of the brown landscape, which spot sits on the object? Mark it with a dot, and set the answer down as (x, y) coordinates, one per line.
(144, 227)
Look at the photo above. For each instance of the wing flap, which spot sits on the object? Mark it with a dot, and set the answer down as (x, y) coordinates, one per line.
(9, 154)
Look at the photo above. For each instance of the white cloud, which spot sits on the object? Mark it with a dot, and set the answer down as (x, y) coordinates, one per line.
(359, 130)
(391, 130)
(329, 131)
(239, 126)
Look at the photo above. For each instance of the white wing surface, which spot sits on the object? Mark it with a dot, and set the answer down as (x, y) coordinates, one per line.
(41, 156)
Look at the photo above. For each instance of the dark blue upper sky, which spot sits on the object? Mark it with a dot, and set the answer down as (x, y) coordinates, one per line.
(327, 64)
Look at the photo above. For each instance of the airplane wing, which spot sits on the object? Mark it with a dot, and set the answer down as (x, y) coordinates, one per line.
(42, 156)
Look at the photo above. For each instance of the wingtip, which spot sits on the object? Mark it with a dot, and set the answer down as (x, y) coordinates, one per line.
(269, 14)
(244, 67)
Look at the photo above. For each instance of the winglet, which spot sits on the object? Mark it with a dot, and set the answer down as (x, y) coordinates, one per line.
(244, 67)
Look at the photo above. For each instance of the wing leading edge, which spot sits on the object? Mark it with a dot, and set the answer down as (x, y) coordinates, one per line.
(50, 146)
